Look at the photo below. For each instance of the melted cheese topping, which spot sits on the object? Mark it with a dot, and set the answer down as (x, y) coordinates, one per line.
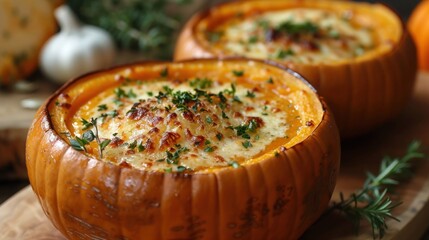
(187, 125)
(301, 35)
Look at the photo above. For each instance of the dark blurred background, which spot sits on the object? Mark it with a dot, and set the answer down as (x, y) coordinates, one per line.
(403, 7)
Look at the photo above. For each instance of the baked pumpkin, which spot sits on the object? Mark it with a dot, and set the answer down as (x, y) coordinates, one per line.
(24, 28)
(358, 56)
(419, 28)
(203, 149)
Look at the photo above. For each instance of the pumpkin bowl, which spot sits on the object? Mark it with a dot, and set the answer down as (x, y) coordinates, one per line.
(201, 149)
(418, 25)
(359, 56)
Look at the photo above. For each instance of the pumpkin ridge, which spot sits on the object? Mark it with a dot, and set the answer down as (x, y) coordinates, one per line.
(54, 207)
(298, 200)
(265, 195)
(58, 190)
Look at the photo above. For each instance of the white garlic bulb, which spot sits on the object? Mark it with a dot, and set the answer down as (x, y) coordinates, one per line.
(76, 49)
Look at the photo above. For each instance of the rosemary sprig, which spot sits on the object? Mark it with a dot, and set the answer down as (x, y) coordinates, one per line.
(371, 203)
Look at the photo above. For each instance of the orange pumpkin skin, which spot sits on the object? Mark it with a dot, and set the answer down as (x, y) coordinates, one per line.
(276, 198)
(419, 27)
(362, 94)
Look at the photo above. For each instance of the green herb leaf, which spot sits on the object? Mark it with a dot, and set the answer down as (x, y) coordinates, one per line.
(86, 124)
(291, 27)
(246, 144)
(181, 168)
(250, 94)
(131, 94)
(140, 147)
(282, 54)
(224, 116)
(209, 149)
(120, 93)
(132, 145)
(238, 73)
(102, 107)
(201, 83)
(104, 144)
(78, 144)
(234, 164)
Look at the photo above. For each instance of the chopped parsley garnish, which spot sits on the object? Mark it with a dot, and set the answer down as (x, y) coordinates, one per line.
(209, 120)
(201, 83)
(232, 91)
(243, 130)
(168, 108)
(219, 136)
(290, 27)
(132, 145)
(250, 94)
(120, 93)
(270, 80)
(236, 99)
(209, 149)
(160, 96)
(102, 107)
(238, 73)
(140, 147)
(118, 102)
(282, 54)
(131, 94)
(113, 113)
(246, 144)
(150, 94)
(173, 158)
(224, 116)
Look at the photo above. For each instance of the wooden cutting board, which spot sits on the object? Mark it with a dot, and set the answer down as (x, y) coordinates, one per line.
(21, 217)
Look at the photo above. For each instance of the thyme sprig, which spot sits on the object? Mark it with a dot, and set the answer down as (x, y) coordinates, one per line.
(371, 203)
(79, 143)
